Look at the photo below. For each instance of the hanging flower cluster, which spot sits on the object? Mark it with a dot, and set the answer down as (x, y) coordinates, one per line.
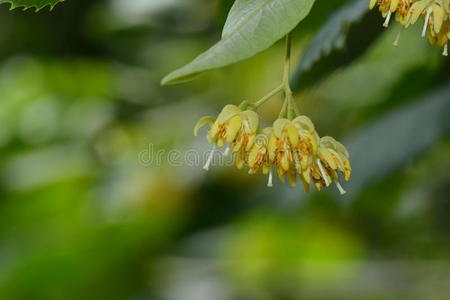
(290, 148)
(436, 15)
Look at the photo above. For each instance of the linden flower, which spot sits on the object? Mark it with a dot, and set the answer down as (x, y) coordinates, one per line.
(258, 156)
(403, 11)
(291, 146)
(435, 12)
(233, 126)
(435, 15)
(388, 7)
(332, 158)
(436, 19)
(441, 38)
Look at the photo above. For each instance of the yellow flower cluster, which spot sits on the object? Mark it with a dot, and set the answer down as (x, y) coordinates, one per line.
(436, 14)
(289, 147)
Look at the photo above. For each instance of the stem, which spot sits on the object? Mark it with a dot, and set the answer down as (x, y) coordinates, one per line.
(268, 96)
(289, 108)
(283, 110)
(287, 72)
(287, 64)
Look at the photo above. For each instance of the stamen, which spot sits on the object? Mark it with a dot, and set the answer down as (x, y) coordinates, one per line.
(227, 151)
(445, 52)
(251, 172)
(210, 157)
(388, 18)
(322, 171)
(340, 188)
(427, 19)
(397, 39)
(270, 183)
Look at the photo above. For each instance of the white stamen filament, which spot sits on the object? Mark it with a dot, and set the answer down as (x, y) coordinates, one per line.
(445, 52)
(210, 157)
(397, 39)
(270, 183)
(227, 151)
(322, 171)
(340, 188)
(388, 18)
(427, 19)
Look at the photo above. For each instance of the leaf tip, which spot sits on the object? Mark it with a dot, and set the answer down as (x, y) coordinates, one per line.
(165, 80)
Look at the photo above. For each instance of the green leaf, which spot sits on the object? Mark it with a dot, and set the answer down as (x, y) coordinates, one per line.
(343, 39)
(398, 138)
(252, 26)
(37, 4)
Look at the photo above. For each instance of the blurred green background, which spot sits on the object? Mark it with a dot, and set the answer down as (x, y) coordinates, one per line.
(98, 200)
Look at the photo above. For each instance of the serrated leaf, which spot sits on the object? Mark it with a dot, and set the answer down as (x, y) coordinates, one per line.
(252, 26)
(37, 4)
(344, 38)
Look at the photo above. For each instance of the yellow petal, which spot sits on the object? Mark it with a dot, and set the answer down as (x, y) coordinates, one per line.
(219, 143)
(227, 113)
(348, 170)
(240, 160)
(306, 175)
(214, 131)
(304, 122)
(438, 18)
(318, 185)
(394, 5)
(304, 161)
(265, 169)
(292, 176)
(329, 142)
(372, 3)
(279, 125)
(281, 175)
(267, 131)
(339, 159)
(252, 119)
(237, 146)
(202, 122)
(272, 147)
(251, 142)
(233, 127)
(306, 185)
(310, 140)
(284, 162)
(326, 156)
(292, 134)
(253, 154)
(416, 10)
